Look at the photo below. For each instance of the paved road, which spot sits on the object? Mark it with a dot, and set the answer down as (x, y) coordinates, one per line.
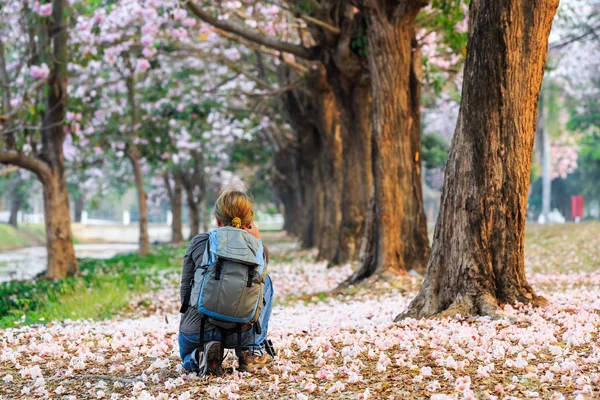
(28, 262)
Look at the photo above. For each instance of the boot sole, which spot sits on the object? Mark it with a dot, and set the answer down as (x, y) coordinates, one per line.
(213, 359)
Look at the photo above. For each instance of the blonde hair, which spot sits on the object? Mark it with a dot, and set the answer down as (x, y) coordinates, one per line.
(234, 208)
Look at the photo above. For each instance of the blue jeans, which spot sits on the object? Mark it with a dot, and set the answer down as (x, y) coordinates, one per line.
(190, 344)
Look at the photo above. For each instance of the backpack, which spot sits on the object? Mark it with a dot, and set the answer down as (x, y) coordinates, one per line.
(228, 284)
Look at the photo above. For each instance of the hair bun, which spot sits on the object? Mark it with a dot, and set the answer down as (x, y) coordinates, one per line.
(236, 222)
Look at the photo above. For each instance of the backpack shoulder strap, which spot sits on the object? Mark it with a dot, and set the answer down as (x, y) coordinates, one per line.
(186, 300)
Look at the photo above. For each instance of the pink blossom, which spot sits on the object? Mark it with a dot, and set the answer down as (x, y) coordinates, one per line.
(45, 10)
(189, 22)
(40, 72)
(149, 52)
(462, 25)
(142, 65)
(147, 40)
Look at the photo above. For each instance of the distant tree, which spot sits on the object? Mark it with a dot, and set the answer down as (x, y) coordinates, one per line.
(33, 74)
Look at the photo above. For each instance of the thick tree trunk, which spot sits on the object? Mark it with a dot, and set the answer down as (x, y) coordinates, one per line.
(79, 204)
(478, 255)
(59, 238)
(329, 170)
(399, 231)
(176, 234)
(355, 116)
(144, 240)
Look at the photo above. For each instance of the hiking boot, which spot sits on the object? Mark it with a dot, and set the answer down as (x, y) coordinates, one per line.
(210, 359)
(254, 360)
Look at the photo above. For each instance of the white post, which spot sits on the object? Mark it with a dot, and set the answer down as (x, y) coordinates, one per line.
(84, 217)
(126, 218)
(169, 217)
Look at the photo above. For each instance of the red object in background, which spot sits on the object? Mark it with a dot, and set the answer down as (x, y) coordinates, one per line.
(576, 207)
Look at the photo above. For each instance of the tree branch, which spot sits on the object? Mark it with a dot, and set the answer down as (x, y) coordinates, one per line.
(250, 34)
(38, 167)
(268, 52)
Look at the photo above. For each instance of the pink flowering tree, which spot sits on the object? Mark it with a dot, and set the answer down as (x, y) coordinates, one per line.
(130, 45)
(33, 75)
(199, 134)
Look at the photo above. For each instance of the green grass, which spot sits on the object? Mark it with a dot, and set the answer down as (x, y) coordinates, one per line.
(25, 235)
(562, 248)
(103, 288)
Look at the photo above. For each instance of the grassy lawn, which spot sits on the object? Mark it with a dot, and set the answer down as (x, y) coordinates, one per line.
(103, 289)
(562, 248)
(25, 235)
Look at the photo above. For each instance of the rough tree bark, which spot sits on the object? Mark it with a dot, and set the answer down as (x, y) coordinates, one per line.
(48, 163)
(329, 166)
(357, 174)
(175, 192)
(59, 238)
(348, 76)
(478, 255)
(134, 156)
(398, 234)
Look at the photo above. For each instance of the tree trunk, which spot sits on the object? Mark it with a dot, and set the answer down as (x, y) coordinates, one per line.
(546, 162)
(478, 255)
(144, 241)
(79, 204)
(194, 212)
(399, 231)
(133, 153)
(59, 238)
(355, 117)
(286, 181)
(176, 234)
(16, 200)
(329, 168)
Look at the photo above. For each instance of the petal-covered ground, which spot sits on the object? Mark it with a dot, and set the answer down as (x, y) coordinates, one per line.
(340, 344)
